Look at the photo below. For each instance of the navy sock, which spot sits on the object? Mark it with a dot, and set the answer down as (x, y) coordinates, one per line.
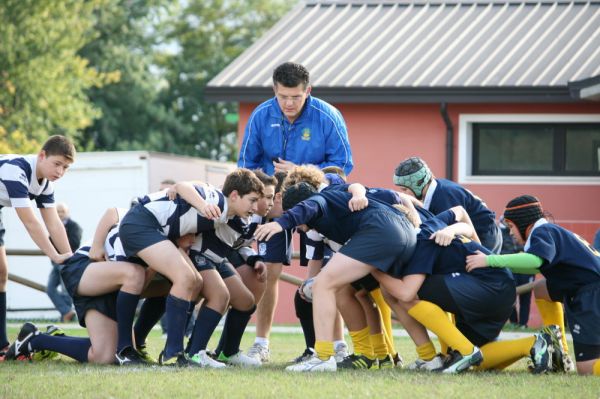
(235, 325)
(305, 315)
(205, 325)
(3, 336)
(74, 347)
(126, 305)
(177, 312)
(151, 312)
(190, 321)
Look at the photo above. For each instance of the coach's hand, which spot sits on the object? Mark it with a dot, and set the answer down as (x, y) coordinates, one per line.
(281, 165)
(265, 231)
(476, 261)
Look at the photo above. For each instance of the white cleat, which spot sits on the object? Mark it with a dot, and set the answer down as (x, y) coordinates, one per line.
(240, 360)
(259, 352)
(435, 364)
(314, 364)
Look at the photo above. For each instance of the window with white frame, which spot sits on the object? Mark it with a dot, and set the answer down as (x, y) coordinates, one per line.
(517, 147)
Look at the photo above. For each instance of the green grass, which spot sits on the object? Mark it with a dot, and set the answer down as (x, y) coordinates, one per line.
(64, 378)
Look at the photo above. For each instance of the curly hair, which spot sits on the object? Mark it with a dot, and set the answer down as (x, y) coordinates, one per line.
(305, 173)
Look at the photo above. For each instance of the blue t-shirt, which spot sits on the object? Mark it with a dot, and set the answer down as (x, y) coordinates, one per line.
(449, 194)
(569, 261)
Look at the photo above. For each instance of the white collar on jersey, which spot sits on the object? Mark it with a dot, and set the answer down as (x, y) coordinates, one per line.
(537, 224)
(429, 195)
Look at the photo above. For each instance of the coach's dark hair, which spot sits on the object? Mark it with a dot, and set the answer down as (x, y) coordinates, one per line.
(297, 193)
(264, 178)
(244, 181)
(290, 74)
(59, 145)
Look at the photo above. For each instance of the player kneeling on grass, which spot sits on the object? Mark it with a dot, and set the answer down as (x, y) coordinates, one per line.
(105, 295)
(571, 268)
(435, 281)
(376, 237)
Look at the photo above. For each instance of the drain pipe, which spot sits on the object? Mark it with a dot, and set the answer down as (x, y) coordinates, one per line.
(449, 141)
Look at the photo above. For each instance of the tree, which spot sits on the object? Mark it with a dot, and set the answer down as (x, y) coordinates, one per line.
(209, 34)
(133, 117)
(42, 79)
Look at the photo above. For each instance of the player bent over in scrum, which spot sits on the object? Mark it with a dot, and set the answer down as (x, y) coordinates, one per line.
(105, 295)
(378, 236)
(434, 281)
(571, 270)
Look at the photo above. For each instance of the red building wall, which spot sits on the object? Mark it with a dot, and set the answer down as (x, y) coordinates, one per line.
(381, 135)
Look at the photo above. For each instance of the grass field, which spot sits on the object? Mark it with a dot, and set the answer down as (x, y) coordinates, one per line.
(64, 378)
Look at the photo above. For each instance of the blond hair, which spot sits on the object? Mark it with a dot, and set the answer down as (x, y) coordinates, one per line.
(410, 212)
(305, 173)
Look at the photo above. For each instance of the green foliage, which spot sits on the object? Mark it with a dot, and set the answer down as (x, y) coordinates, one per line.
(123, 74)
(132, 115)
(209, 34)
(42, 78)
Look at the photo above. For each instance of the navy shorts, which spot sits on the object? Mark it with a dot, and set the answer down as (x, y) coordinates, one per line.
(202, 263)
(368, 283)
(235, 259)
(383, 241)
(139, 230)
(71, 272)
(278, 249)
(583, 315)
(481, 308)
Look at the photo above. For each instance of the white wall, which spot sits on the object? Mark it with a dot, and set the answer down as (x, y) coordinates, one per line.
(95, 182)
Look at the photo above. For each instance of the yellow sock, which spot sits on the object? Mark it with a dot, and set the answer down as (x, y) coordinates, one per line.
(386, 318)
(597, 367)
(552, 313)
(362, 342)
(426, 351)
(435, 319)
(380, 349)
(443, 345)
(500, 354)
(324, 349)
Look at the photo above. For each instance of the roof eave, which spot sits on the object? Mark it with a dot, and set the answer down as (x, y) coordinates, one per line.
(404, 95)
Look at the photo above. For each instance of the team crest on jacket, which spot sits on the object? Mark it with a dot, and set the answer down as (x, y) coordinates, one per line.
(306, 134)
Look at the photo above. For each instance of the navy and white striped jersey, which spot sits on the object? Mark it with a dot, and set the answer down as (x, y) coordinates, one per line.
(233, 235)
(316, 243)
(112, 244)
(178, 218)
(18, 184)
